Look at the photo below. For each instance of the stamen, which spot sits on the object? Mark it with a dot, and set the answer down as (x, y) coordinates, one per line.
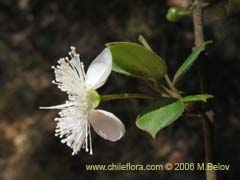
(72, 125)
(86, 138)
(82, 70)
(90, 140)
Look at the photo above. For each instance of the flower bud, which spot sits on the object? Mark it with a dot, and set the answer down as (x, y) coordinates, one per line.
(175, 14)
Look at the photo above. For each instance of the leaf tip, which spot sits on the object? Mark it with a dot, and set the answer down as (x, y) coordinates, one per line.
(208, 42)
(140, 37)
(209, 96)
(153, 134)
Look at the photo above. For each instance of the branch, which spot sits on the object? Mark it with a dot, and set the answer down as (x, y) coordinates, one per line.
(198, 22)
(198, 7)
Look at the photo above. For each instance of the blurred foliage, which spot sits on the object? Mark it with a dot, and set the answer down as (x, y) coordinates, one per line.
(35, 33)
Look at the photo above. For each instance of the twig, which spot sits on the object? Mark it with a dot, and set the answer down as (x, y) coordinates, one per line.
(207, 126)
(127, 96)
(208, 142)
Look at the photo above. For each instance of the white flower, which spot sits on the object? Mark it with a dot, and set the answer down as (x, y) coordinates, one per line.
(79, 113)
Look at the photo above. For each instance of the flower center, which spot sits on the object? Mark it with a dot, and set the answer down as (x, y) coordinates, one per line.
(93, 99)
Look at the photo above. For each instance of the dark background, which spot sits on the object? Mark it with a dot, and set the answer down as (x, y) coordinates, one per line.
(35, 33)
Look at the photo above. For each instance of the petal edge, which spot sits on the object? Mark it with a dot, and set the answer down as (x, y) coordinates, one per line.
(99, 70)
(106, 125)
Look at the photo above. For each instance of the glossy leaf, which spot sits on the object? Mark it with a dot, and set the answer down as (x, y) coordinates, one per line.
(159, 115)
(198, 97)
(189, 61)
(132, 59)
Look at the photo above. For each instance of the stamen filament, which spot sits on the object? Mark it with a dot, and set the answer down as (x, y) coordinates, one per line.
(90, 140)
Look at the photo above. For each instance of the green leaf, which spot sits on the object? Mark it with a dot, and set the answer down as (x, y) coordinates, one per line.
(132, 59)
(199, 97)
(159, 115)
(189, 61)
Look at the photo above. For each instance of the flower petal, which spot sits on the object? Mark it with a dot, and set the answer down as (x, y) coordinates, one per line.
(106, 125)
(99, 70)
